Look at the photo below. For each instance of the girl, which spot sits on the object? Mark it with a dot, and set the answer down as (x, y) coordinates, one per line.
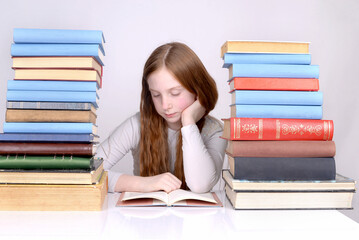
(174, 143)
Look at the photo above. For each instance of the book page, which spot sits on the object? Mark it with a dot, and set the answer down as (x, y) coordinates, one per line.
(162, 196)
(179, 195)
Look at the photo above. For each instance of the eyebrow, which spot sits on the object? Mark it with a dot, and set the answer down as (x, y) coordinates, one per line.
(173, 88)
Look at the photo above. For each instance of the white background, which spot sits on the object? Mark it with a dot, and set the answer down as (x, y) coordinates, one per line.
(134, 28)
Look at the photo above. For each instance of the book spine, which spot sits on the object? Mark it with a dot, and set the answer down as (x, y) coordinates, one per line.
(69, 86)
(274, 71)
(279, 84)
(58, 127)
(265, 58)
(277, 98)
(75, 149)
(276, 111)
(46, 137)
(52, 96)
(50, 105)
(280, 129)
(18, 115)
(45, 162)
(286, 169)
(281, 148)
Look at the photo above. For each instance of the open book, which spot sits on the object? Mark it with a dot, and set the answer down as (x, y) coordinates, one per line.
(175, 198)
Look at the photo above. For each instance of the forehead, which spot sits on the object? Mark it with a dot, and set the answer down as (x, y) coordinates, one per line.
(162, 79)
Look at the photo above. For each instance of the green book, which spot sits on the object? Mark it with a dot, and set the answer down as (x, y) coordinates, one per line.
(45, 162)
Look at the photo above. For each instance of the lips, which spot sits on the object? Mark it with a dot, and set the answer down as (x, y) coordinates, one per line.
(170, 115)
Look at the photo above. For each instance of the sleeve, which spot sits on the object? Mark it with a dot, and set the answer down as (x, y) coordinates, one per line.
(123, 139)
(202, 159)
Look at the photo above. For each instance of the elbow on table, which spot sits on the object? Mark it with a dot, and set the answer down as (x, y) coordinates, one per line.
(199, 187)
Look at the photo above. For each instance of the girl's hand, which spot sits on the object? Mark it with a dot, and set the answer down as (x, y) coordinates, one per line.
(193, 113)
(166, 182)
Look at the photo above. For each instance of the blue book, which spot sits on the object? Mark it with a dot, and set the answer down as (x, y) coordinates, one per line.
(53, 96)
(247, 97)
(39, 49)
(273, 70)
(38, 85)
(277, 111)
(47, 137)
(27, 35)
(53, 127)
(265, 58)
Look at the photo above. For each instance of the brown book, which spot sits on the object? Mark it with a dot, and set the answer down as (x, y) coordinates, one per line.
(53, 176)
(28, 115)
(53, 197)
(281, 148)
(39, 148)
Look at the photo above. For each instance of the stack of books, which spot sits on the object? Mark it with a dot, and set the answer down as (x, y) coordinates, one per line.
(47, 149)
(280, 150)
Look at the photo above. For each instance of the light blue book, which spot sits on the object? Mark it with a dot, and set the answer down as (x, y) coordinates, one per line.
(265, 58)
(53, 96)
(39, 85)
(248, 97)
(277, 111)
(44, 49)
(274, 70)
(27, 35)
(55, 127)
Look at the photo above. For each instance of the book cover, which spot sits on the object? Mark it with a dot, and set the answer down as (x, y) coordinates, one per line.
(282, 168)
(45, 162)
(273, 71)
(54, 176)
(276, 111)
(277, 129)
(246, 46)
(265, 58)
(42, 127)
(52, 62)
(54, 197)
(49, 137)
(84, 106)
(175, 198)
(281, 148)
(42, 148)
(20, 115)
(57, 50)
(247, 200)
(52, 96)
(59, 75)
(301, 98)
(279, 84)
(340, 183)
(68, 86)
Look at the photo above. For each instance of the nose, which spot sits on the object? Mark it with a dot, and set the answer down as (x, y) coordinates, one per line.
(166, 103)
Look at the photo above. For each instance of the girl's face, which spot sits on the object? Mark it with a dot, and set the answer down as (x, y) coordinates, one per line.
(169, 96)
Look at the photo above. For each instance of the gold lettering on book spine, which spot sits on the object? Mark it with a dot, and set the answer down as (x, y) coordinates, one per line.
(260, 135)
(325, 137)
(301, 129)
(277, 136)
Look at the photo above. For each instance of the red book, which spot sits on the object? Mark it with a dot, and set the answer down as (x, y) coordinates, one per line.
(281, 84)
(277, 129)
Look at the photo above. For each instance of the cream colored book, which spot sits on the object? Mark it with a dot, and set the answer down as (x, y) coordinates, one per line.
(264, 47)
(57, 62)
(175, 198)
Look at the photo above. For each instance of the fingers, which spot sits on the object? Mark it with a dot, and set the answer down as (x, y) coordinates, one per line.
(168, 182)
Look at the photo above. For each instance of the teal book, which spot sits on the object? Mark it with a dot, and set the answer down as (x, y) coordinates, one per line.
(45, 162)
(302, 98)
(277, 111)
(53, 96)
(273, 71)
(37, 85)
(57, 49)
(28, 35)
(265, 58)
(53, 127)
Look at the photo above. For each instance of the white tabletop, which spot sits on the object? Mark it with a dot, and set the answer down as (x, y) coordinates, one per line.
(177, 223)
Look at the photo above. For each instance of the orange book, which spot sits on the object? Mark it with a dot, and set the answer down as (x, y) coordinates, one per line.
(281, 84)
(277, 129)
